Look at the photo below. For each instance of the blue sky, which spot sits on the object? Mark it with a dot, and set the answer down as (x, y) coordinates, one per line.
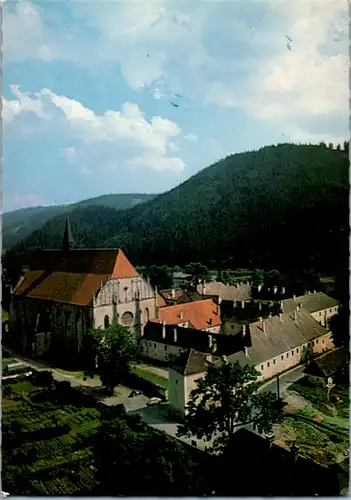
(137, 96)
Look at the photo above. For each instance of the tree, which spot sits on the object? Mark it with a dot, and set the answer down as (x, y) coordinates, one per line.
(127, 448)
(338, 147)
(160, 277)
(273, 278)
(225, 399)
(198, 272)
(346, 147)
(258, 276)
(339, 325)
(109, 354)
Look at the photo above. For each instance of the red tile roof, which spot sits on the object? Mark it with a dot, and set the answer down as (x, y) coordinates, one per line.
(74, 277)
(201, 314)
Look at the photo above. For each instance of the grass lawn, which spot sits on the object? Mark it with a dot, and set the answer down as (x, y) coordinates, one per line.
(45, 450)
(75, 374)
(7, 361)
(317, 396)
(152, 377)
(321, 429)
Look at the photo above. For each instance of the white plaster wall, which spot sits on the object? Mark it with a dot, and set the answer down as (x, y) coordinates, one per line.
(324, 315)
(176, 391)
(124, 292)
(291, 358)
(156, 350)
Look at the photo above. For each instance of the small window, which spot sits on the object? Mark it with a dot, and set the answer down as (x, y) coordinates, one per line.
(287, 354)
(330, 310)
(317, 341)
(274, 361)
(323, 341)
(297, 351)
(261, 367)
(165, 348)
(292, 353)
(166, 357)
(282, 357)
(176, 382)
(154, 346)
(320, 313)
(268, 364)
(106, 321)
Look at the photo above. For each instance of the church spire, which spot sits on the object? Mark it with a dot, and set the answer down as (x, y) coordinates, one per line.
(67, 240)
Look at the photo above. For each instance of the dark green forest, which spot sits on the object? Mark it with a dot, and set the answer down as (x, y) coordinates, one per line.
(18, 224)
(282, 207)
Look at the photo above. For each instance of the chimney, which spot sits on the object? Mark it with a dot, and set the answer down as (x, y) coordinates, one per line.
(314, 291)
(173, 293)
(181, 315)
(164, 330)
(263, 325)
(283, 290)
(246, 351)
(294, 297)
(218, 310)
(260, 306)
(247, 283)
(224, 359)
(275, 289)
(280, 315)
(270, 315)
(259, 288)
(156, 302)
(242, 304)
(210, 341)
(175, 335)
(295, 316)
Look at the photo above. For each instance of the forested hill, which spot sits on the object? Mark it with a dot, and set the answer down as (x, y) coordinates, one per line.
(281, 207)
(18, 224)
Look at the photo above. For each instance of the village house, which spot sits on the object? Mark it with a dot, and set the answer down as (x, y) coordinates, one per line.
(240, 293)
(273, 345)
(164, 343)
(318, 304)
(201, 315)
(69, 291)
(322, 370)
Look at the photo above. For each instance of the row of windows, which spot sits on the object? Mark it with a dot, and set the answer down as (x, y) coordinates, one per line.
(320, 312)
(314, 342)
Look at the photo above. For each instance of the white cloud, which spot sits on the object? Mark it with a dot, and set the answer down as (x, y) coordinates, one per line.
(209, 51)
(191, 137)
(125, 135)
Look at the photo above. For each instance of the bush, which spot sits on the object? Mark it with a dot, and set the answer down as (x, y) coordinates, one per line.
(43, 378)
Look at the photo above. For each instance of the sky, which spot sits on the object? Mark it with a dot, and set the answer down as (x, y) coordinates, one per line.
(135, 96)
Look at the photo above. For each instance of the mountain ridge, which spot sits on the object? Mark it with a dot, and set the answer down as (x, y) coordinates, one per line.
(278, 207)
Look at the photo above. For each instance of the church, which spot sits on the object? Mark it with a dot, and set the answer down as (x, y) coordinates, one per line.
(67, 292)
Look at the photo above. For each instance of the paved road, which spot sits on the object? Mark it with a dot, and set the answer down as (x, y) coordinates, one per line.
(156, 416)
(285, 380)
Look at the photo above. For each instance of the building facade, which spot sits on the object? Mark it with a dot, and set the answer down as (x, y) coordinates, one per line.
(68, 292)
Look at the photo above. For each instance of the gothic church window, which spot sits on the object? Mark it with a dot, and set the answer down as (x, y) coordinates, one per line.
(106, 321)
(127, 319)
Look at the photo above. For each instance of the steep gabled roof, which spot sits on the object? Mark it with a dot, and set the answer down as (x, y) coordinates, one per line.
(201, 314)
(328, 364)
(279, 335)
(190, 362)
(187, 338)
(239, 293)
(74, 276)
(311, 302)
